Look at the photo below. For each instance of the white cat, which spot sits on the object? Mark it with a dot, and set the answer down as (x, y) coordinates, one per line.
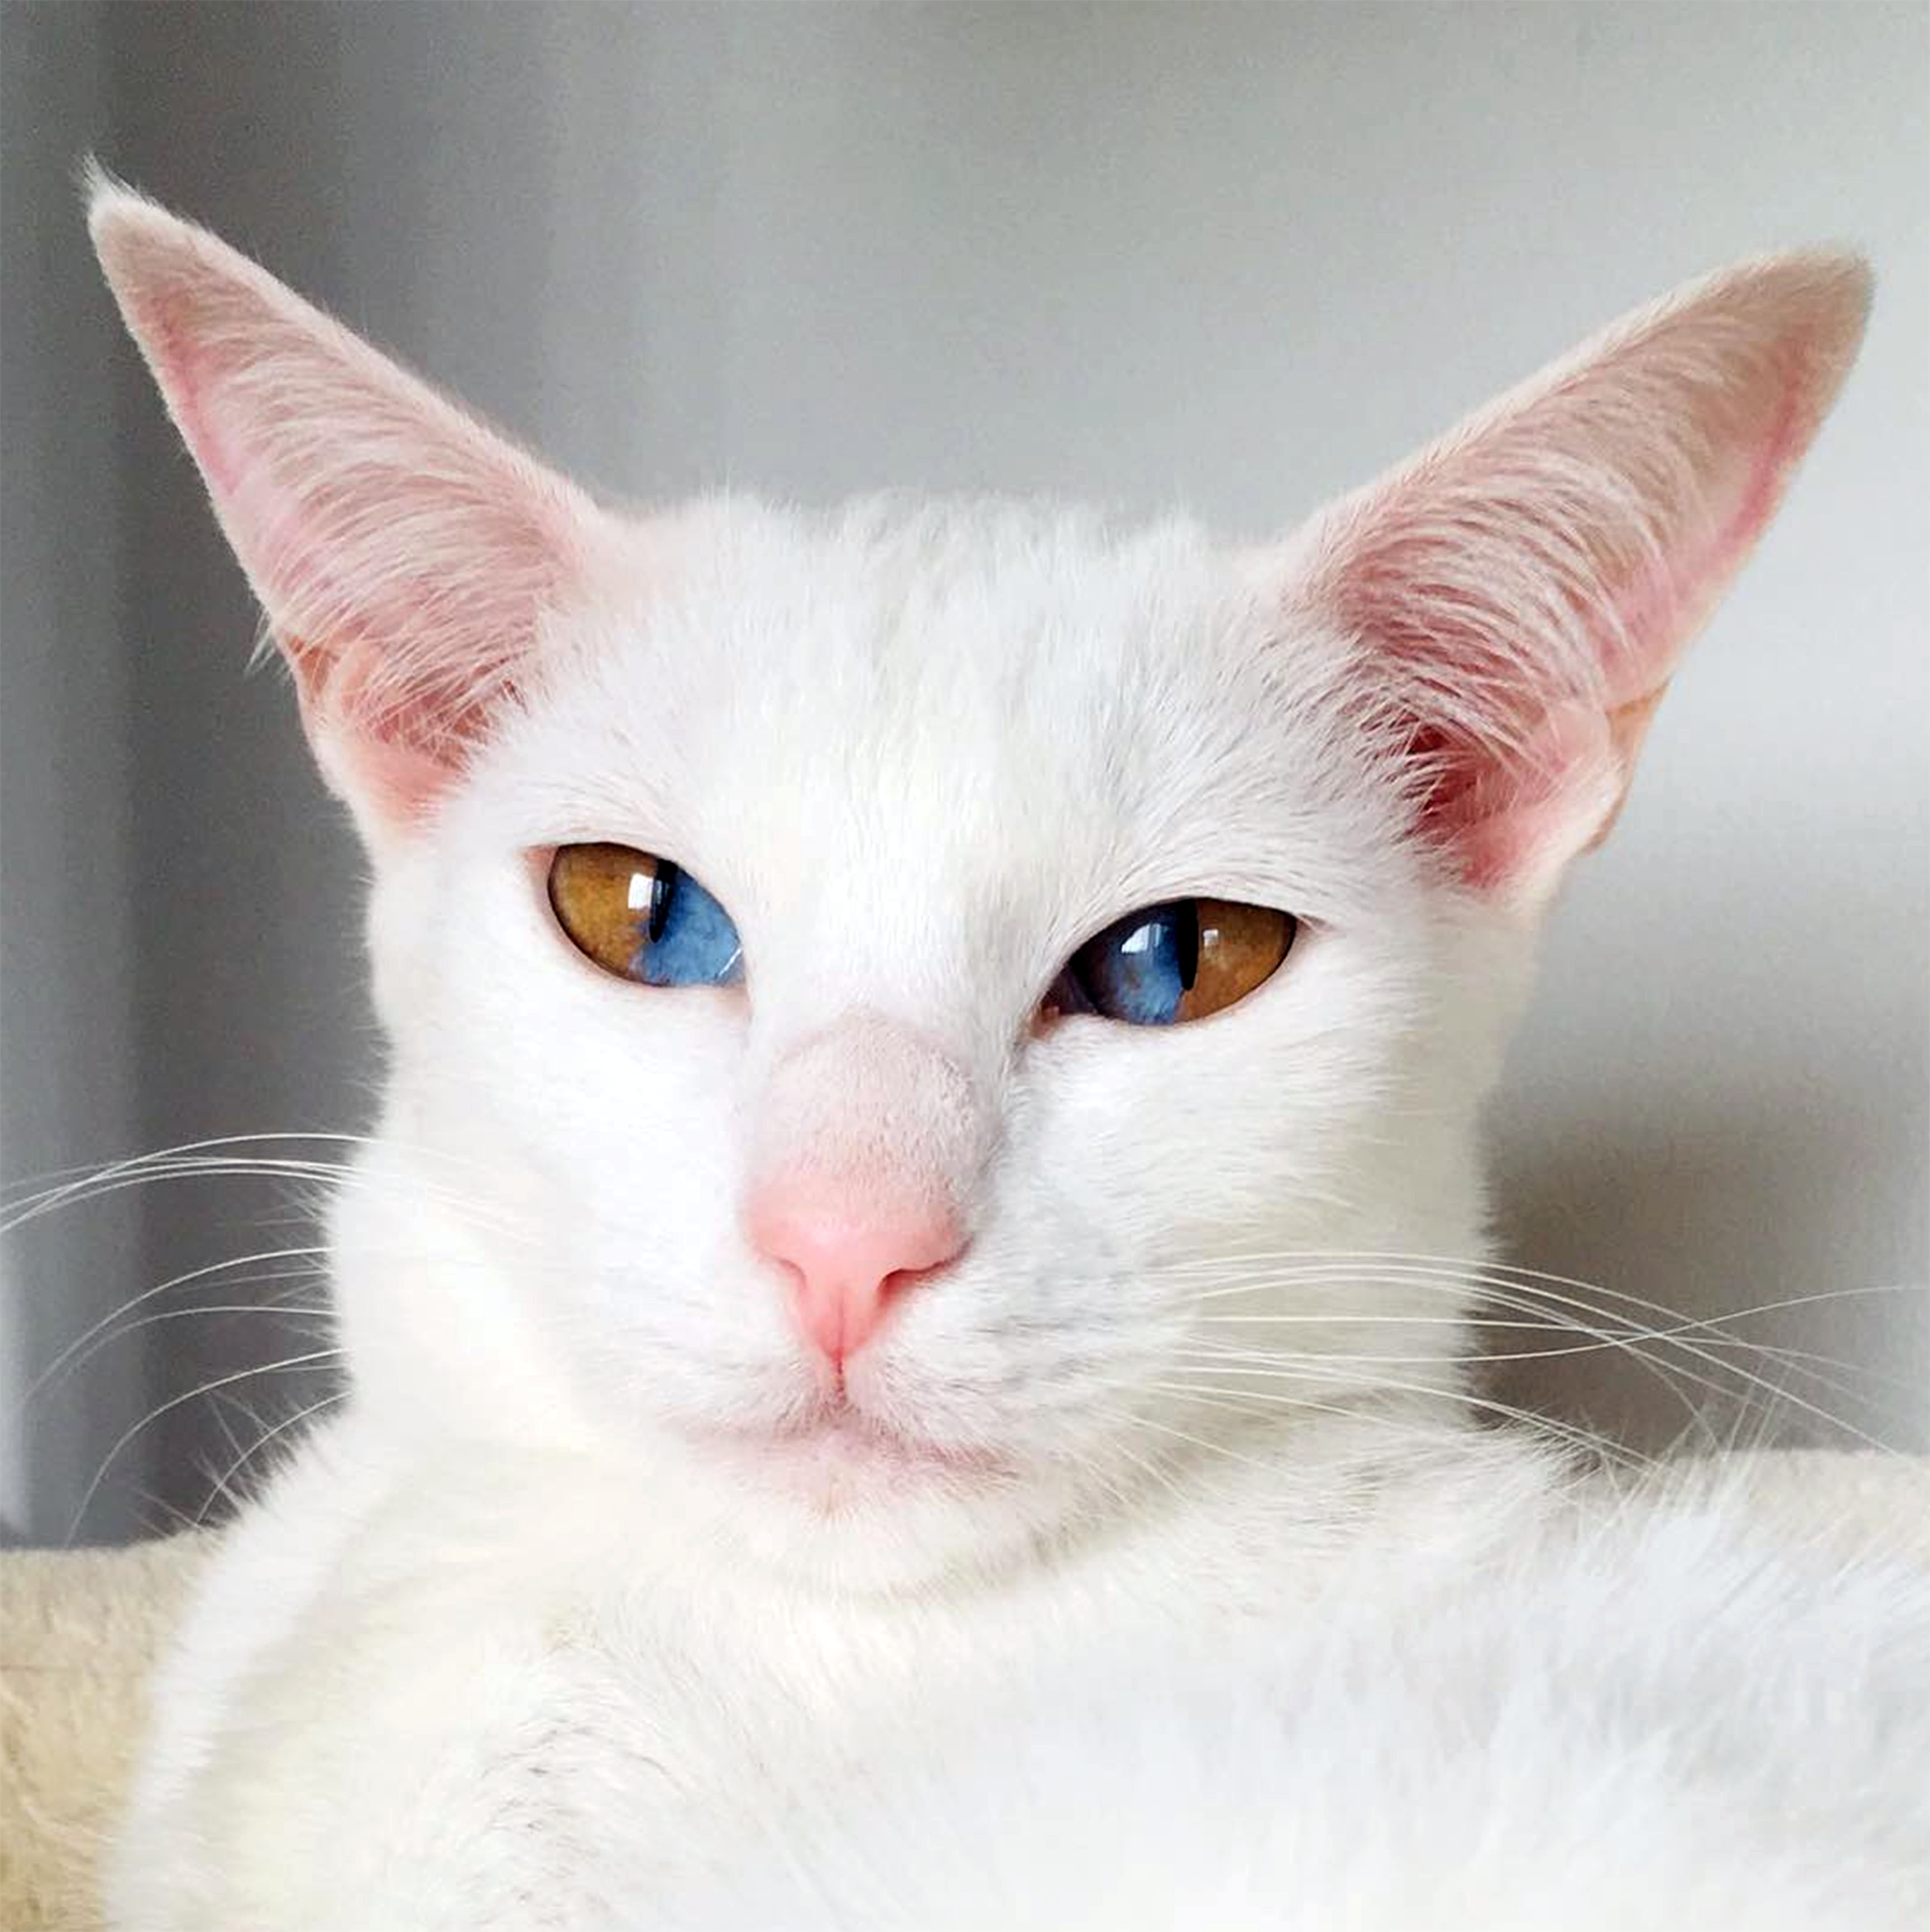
(901, 1371)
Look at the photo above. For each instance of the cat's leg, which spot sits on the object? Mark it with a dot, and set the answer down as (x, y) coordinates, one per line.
(260, 1581)
(400, 1700)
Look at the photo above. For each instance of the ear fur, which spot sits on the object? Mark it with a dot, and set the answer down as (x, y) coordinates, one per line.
(1522, 591)
(404, 554)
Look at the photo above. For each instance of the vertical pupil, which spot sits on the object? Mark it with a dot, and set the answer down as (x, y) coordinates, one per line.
(1185, 917)
(662, 886)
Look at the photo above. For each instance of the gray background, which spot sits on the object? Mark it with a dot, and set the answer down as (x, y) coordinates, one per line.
(1235, 256)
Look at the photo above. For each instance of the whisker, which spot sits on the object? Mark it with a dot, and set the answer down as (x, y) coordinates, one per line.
(1310, 1367)
(1505, 1287)
(1295, 1264)
(222, 1491)
(107, 1320)
(281, 1306)
(1266, 1401)
(337, 1179)
(195, 1160)
(1595, 1344)
(1571, 1432)
(1141, 1421)
(175, 1401)
(1461, 1281)
(312, 1137)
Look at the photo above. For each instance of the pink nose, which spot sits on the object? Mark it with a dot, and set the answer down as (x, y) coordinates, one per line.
(848, 1256)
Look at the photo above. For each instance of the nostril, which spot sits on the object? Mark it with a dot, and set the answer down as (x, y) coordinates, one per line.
(918, 1244)
(900, 1279)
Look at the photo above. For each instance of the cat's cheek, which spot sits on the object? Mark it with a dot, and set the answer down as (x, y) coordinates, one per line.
(399, 926)
(1156, 1174)
(1169, 1134)
(605, 1112)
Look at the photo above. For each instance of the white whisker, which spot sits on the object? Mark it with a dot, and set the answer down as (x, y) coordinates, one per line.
(155, 1415)
(222, 1489)
(106, 1322)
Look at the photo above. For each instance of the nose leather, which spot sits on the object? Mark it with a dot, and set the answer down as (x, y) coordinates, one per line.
(847, 1256)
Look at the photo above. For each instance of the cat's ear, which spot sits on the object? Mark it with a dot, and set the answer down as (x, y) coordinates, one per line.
(1520, 592)
(404, 554)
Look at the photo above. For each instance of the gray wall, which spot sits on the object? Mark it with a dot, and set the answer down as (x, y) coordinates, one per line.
(68, 964)
(1235, 256)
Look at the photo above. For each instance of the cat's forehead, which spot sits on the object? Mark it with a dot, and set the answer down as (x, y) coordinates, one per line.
(920, 689)
(889, 609)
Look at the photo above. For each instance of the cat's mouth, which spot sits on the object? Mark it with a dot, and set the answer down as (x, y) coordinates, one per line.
(841, 1451)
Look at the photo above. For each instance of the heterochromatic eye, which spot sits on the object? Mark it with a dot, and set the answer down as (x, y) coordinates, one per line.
(642, 918)
(1181, 960)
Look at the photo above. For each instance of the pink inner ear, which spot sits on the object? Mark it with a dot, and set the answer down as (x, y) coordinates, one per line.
(1580, 756)
(1500, 755)
(170, 348)
(1525, 589)
(1661, 609)
(404, 554)
(401, 766)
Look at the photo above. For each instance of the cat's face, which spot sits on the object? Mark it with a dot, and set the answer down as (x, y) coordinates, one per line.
(863, 1243)
(919, 758)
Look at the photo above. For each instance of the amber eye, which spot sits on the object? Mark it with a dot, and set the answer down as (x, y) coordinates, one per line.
(1177, 961)
(642, 918)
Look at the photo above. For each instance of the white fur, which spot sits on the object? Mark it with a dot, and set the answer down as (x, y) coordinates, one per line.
(561, 1622)
(1655, 1712)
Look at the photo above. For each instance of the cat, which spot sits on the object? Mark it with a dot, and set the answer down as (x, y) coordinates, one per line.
(906, 1314)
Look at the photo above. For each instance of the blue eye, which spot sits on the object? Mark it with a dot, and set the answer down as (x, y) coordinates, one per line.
(642, 918)
(1167, 963)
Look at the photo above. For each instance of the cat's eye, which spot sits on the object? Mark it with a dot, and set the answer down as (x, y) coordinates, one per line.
(1177, 961)
(642, 918)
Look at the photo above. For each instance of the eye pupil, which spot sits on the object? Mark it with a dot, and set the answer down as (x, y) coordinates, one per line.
(1186, 941)
(661, 888)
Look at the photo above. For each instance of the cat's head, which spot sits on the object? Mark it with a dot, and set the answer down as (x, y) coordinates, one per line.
(884, 1004)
